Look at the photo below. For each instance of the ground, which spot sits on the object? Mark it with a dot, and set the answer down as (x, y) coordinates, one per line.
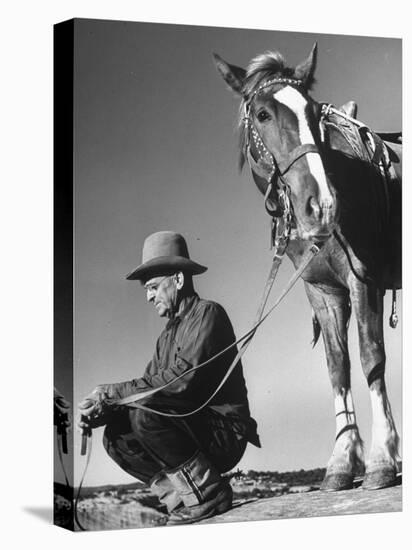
(316, 503)
(136, 508)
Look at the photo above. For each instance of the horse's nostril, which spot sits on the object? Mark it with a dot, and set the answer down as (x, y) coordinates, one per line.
(314, 209)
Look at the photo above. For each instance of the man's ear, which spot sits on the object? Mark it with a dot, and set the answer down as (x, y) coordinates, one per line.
(180, 280)
(232, 75)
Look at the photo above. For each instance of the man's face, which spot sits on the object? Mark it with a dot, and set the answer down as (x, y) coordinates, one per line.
(162, 291)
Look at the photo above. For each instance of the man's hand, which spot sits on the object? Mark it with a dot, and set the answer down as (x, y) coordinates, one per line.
(92, 410)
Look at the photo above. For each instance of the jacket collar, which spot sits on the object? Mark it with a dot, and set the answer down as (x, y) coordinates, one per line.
(185, 306)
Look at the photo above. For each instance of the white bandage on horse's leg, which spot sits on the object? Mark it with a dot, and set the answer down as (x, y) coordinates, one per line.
(347, 454)
(385, 439)
(344, 410)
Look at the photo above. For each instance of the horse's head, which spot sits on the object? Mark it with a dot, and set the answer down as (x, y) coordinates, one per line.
(280, 138)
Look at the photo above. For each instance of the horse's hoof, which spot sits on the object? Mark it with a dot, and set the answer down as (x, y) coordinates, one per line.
(379, 478)
(337, 482)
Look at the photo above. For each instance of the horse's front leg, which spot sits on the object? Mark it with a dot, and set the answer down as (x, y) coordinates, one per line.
(382, 465)
(332, 310)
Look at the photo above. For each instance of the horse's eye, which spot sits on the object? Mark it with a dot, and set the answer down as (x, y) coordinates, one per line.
(263, 116)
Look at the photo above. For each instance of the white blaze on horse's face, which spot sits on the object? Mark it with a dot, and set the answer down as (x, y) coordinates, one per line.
(296, 102)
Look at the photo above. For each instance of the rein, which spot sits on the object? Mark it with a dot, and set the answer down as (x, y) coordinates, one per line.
(246, 338)
(62, 449)
(132, 400)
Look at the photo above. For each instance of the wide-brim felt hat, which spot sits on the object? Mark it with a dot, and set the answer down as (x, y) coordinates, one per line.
(162, 252)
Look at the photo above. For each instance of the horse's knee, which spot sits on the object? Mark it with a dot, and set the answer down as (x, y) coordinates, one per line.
(339, 375)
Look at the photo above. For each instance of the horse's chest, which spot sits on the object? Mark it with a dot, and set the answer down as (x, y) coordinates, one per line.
(327, 268)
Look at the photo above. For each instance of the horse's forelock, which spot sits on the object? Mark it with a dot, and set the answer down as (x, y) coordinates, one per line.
(263, 66)
(268, 61)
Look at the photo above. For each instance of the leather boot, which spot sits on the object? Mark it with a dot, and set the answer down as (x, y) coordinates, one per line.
(202, 489)
(163, 488)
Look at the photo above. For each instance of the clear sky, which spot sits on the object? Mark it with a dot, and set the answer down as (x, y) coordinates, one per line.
(156, 149)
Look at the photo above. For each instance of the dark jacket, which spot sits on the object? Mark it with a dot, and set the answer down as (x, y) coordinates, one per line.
(200, 331)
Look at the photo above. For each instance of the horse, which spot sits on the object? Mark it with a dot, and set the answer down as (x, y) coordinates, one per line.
(340, 184)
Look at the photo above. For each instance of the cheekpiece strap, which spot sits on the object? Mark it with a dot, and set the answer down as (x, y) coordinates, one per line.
(260, 168)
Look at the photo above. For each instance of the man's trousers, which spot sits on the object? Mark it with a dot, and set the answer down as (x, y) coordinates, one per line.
(144, 443)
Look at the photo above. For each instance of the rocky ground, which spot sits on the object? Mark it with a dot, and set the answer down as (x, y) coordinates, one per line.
(141, 509)
(314, 504)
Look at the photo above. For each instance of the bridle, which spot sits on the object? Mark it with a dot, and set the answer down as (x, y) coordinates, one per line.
(267, 166)
(277, 167)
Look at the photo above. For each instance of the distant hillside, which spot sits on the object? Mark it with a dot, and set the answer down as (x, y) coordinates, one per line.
(292, 478)
(295, 477)
(88, 492)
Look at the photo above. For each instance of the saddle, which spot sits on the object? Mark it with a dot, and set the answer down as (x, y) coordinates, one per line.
(383, 151)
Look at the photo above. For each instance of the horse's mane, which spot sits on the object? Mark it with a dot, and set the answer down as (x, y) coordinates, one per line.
(262, 67)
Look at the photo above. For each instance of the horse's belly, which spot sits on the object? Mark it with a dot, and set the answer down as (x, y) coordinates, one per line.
(393, 240)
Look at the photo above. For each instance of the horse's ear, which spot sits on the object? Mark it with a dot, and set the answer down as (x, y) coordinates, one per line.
(233, 76)
(305, 71)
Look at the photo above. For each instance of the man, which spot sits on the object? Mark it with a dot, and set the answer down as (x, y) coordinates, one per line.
(182, 458)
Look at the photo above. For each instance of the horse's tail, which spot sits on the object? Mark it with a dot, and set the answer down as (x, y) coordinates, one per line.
(316, 329)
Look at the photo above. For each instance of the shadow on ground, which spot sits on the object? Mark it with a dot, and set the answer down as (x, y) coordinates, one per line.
(45, 513)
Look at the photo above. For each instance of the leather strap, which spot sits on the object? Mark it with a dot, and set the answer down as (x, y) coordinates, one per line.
(297, 153)
(76, 501)
(266, 169)
(346, 429)
(261, 168)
